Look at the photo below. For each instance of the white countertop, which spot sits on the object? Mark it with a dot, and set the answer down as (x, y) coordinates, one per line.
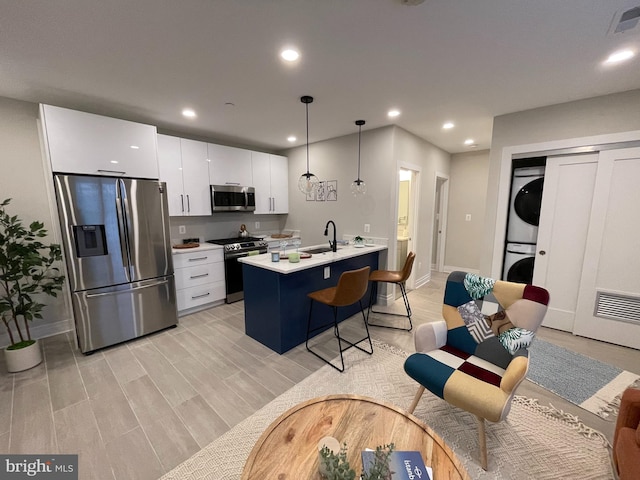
(202, 247)
(284, 266)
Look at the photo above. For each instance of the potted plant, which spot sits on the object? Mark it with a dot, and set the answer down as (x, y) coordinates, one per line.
(27, 270)
(358, 240)
(335, 466)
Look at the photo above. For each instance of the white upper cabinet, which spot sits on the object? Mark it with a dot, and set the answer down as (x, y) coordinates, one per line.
(170, 166)
(195, 177)
(184, 166)
(229, 166)
(79, 142)
(279, 183)
(270, 174)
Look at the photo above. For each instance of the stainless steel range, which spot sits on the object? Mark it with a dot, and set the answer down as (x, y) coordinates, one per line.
(235, 248)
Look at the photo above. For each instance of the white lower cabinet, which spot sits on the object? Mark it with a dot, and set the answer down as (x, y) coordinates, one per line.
(199, 278)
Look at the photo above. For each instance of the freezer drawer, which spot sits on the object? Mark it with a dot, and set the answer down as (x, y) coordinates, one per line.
(108, 316)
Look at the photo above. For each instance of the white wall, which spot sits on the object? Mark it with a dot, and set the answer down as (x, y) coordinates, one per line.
(594, 116)
(23, 180)
(467, 196)
(384, 150)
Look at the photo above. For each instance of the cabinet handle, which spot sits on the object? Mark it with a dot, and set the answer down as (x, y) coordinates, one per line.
(197, 259)
(232, 183)
(112, 171)
(274, 204)
(182, 201)
(188, 205)
(200, 296)
(198, 276)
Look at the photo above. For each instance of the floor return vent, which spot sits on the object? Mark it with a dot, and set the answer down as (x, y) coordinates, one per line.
(618, 307)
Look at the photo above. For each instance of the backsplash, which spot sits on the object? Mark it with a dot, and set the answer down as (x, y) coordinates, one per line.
(224, 225)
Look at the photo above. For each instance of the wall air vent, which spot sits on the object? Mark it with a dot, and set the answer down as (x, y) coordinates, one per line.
(617, 307)
(626, 20)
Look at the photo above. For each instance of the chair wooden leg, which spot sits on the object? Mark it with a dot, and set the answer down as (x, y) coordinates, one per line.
(483, 443)
(416, 399)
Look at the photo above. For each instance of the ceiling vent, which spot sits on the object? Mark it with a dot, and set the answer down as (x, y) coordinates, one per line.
(412, 3)
(625, 21)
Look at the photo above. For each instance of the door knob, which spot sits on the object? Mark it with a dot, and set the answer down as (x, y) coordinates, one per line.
(542, 252)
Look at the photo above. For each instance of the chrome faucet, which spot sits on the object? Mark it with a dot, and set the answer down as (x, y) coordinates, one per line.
(333, 245)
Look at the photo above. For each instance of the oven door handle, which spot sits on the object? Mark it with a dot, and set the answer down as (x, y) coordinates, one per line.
(234, 256)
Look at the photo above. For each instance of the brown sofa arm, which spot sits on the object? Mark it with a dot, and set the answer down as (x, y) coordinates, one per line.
(628, 417)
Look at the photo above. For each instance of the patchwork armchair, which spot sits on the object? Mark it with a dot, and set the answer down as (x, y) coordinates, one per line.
(476, 358)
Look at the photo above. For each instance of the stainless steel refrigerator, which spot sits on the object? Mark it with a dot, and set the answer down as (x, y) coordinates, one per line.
(118, 254)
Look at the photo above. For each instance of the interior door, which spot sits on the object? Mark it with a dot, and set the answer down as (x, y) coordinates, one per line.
(609, 300)
(562, 234)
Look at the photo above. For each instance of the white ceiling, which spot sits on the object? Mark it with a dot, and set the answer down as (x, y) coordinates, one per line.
(460, 60)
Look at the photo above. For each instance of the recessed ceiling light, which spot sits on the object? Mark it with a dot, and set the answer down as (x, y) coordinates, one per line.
(135, 147)
(290, 55)
(291, 138)
(114, 161)
(448, 125)
(620, 56)
(469, 141)
(393, 113)
(189, 113)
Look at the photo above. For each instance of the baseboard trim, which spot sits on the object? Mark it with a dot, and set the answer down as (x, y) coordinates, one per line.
(42, 331)
(423, 280)
(451, 268)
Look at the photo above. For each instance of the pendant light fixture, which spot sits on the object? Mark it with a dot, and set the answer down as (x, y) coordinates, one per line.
(358, 187)
(308, 182)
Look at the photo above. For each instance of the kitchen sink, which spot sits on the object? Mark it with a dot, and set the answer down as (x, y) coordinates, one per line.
(318, 250)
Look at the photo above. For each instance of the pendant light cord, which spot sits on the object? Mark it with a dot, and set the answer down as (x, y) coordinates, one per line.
(359, 140)
(307, 109)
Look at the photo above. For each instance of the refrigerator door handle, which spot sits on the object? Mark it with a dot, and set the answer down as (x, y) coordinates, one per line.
(122, 231)
(117, 292)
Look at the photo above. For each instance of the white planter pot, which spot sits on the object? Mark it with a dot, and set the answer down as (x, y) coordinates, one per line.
(23, 358)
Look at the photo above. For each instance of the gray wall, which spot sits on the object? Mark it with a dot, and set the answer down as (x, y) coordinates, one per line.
(467, 195)
(24, 181)
(383, 151)
(607, 114)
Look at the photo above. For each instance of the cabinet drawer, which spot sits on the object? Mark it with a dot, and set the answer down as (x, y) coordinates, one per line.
(182, 260)
(200, 295)
(199, 275)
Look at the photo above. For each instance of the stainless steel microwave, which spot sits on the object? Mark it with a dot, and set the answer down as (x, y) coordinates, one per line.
(232, 198)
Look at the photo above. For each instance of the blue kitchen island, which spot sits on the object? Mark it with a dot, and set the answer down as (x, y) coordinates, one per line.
(276, 306)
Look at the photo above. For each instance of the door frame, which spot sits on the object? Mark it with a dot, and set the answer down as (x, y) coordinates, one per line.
(442, 212)
(555, 147)
(414, 196)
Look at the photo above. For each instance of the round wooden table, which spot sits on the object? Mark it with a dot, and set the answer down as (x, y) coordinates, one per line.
(287, 450)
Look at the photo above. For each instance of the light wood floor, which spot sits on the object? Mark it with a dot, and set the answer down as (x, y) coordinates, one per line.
(137, 410)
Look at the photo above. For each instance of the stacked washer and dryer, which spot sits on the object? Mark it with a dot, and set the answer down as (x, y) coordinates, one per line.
(522, 228)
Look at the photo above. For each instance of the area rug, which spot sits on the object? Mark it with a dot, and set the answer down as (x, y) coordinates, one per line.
(535, 442)
(591, 384)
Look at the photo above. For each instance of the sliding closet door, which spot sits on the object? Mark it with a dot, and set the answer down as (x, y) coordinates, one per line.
(609, 300)
(562, 234)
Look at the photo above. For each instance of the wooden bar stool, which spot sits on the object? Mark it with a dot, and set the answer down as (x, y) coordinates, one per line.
(351, 287)
(399, 278)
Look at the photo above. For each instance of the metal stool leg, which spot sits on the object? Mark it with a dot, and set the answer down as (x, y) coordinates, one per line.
(405, 298)
(336, 331)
